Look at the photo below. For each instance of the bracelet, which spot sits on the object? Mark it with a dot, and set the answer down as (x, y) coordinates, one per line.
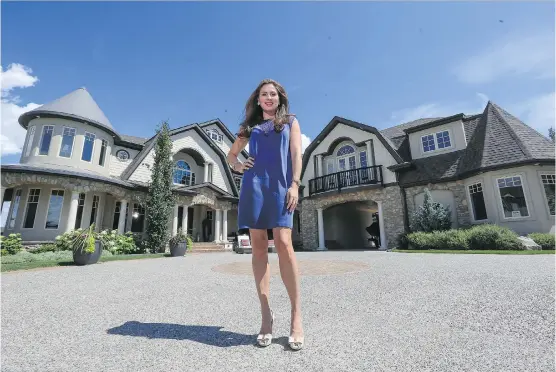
(234, 165)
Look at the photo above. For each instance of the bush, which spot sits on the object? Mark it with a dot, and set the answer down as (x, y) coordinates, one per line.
(546, 241)
(181, 237)
(431, 216)
(118, 243)
(11, 244)
(478, 237)
(493, 237)
(65, 241)
(49, 247)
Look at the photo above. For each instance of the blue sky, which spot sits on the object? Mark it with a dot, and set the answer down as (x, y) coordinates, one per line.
(373, 62)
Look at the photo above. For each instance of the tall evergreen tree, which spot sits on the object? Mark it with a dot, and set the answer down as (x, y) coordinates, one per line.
(431, 216)
(160, 200)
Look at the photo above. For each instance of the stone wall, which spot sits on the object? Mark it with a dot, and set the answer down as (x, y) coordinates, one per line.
(460, 198)
(392, 209)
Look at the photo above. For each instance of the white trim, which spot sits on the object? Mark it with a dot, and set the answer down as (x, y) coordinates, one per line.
(42, 136)
(62, 142)
(48, 208)
(436, 149)
(25, 208)
(525, 190)
(539, 177)
(92, 150)
(470, 201)
(10, 211)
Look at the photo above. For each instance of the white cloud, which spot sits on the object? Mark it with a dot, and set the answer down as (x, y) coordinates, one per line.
(12, 135)
(537, 112)
(517, 55)
(305, 142)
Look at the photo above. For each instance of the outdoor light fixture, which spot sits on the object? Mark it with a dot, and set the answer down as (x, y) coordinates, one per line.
(135, 214)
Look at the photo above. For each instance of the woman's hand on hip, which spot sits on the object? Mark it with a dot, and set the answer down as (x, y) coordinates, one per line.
(292, 197)
(242, 167)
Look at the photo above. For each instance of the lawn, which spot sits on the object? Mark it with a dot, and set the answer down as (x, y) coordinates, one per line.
(68, 262)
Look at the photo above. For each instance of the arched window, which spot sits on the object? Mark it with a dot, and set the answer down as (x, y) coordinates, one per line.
(345, 150)
(183, 174)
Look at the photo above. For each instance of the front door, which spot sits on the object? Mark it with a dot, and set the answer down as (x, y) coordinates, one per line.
(347, 163)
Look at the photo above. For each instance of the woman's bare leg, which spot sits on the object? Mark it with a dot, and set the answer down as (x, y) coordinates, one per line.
(261, 271)
(290, 276)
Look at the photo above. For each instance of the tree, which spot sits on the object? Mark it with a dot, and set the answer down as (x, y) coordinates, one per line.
(551, 134)
(431, 216)
(160, 200)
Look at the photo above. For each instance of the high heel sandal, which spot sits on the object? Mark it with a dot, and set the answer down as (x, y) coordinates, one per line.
(296, 345)
(265, 339)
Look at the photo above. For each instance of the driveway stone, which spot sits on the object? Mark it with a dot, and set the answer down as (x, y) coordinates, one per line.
(363, 311)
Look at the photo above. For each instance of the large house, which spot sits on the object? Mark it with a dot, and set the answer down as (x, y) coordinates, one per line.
(360, 184)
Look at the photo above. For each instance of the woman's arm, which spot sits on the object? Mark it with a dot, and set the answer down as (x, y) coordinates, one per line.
(295, 149)
(232, 157)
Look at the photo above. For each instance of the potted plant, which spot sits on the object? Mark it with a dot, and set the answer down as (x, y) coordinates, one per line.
(180, 243)
(86, 247)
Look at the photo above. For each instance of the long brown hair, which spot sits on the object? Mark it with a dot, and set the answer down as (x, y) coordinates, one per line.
(254, 113)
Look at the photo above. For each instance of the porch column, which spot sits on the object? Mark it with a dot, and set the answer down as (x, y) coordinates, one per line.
(370, 157)
(2, 196)
(383, 241)
(72, 215)
(217, 230)
(319, 166)
(225, 225)
(121, 219)
(205, 179)
(100, 213)
(175, 221)
(320, 225)
(184, 219)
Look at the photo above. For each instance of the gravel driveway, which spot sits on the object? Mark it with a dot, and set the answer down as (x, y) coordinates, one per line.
(389, 312)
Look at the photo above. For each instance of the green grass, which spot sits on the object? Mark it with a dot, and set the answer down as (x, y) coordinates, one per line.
(477, 251)
(4, 267)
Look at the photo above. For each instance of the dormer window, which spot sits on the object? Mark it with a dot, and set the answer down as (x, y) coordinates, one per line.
(215, 135)
(437, 141)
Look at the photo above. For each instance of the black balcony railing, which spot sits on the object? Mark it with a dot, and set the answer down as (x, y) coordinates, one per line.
(348, 178)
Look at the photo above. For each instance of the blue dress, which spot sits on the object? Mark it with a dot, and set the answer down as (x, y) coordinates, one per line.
(263, 194)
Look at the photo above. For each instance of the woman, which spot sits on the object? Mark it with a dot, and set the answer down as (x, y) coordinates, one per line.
(269, 196)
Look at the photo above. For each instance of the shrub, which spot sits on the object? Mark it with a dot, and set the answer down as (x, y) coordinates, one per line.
(546, 241)
(65, 241)
(493, 237)
(49, 247)
(431, 216)
(12, 243)
(181, 237)
(118, 243)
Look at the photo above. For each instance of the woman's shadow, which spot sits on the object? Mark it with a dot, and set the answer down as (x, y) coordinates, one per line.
(209, 335)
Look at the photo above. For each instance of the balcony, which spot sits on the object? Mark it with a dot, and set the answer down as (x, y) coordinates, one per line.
(345, 179)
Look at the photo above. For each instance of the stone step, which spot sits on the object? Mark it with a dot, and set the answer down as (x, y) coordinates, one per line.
(207, 247)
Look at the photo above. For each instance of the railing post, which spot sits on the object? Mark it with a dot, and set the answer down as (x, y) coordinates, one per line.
(338, 180)
(381, 179)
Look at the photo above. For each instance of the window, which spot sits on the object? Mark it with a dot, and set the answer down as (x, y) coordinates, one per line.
(102, 156)
(80, 208)
(94, 210)
(88, 145)
(14, 209)
(548, 181)
(66, 146)
(512, 197)
(214, 135)
(32, 205)
(438, 141)
(345, 150)
(117, 212)
(330, 167)
(477, 201)
(54, 212)
(363, 159)
(138, 217)
(29, 144)
(122, 155)
(237, 181)
(46, 139)
(209, 215)
(183, 174)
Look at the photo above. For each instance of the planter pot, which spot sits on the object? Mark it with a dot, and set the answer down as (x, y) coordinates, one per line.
(84, 258)
(178, 249)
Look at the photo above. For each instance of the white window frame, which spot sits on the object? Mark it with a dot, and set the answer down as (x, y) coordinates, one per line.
(102, 141)
(25, 208)
(72, 143)
(42, 136)
(191, 174)
(217, 136)
(48, 208)
(470, 201)
(92, 150)
(528, 203)
(436, 148)
(540, 174)
(30, 139)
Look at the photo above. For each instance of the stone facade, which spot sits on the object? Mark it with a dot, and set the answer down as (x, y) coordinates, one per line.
(392, 209)
(460, 199)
